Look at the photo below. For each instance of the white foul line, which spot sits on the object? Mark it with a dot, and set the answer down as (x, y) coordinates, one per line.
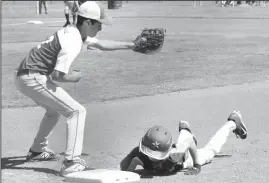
(13, 24)
(28, 23)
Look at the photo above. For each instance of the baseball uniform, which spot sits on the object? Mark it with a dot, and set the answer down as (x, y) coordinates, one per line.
(33, 80)
(177, 160)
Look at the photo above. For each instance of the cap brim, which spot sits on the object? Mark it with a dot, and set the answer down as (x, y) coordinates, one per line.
(106, 21)
(153, 154)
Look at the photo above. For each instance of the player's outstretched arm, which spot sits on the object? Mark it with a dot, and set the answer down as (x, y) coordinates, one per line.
(109, 45)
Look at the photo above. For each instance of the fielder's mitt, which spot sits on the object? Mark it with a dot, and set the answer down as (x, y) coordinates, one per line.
(149, 41)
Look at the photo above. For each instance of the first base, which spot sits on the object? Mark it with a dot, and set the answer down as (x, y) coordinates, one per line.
(102, 176)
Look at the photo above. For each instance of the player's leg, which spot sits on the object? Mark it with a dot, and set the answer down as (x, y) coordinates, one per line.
(183, 155)
(39, 149)
(66, 13)
(234, 124)
(45, 7)
(44, 91)
(40, 7)
(74, 15)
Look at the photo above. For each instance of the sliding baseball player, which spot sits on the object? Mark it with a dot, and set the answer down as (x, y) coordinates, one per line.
(157, 153)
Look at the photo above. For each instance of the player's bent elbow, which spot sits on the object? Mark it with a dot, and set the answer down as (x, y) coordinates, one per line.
(123, 165)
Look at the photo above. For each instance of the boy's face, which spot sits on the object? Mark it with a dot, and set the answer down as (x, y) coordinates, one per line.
(90, 29)
(94, 28)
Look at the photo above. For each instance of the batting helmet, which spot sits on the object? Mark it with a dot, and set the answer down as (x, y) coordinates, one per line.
(156, 143)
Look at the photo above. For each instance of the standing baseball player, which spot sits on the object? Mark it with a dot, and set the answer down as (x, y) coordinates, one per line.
(51, 61)
(70, 6)
(44, 3)
(157, 154)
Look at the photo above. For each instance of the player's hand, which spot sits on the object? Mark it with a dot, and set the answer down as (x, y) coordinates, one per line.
(77, 75)
(139, 40)
(194, 170)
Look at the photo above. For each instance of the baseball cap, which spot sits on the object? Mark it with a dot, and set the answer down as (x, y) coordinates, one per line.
(94, 10)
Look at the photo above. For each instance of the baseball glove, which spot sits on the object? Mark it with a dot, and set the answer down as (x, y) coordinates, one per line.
(149, 41)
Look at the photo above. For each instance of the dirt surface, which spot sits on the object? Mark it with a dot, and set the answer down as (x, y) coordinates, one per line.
(119, 125)
(206, 48)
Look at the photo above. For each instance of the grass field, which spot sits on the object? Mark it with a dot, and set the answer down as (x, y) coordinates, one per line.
(214, 60)
(198, 52)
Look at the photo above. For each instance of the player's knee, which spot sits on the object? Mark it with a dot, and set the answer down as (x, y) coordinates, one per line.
(77, 110)
(207, 156)
(66, 10)
(81, 109)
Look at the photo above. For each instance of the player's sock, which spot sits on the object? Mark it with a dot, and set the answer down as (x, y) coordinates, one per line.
(74, 19)
(220, 137)
(67, 17)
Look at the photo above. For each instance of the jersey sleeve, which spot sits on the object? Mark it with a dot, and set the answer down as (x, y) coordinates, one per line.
(71, 45)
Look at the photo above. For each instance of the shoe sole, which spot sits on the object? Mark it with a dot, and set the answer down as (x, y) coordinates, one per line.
(240, 126)
(63, 174)
(243, 128)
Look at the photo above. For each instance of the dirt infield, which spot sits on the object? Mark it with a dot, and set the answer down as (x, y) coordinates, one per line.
(118, 126)
(214, 60)
(205, 47)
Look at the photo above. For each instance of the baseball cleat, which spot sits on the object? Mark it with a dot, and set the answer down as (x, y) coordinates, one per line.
(183, 125)
(66, 24)
(241, 129)
(70, 166)
(46, 155)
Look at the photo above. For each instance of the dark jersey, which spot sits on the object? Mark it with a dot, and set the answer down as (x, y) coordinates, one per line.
(56, 53)
(43, 57)
(156, 166)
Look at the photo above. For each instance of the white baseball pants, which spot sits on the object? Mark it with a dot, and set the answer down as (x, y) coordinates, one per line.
(56, 101)
(213, 147)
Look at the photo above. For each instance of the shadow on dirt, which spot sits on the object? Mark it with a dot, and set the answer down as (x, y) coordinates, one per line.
(149, 175)
(14, 162)
(82, 154)
(223, 156)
